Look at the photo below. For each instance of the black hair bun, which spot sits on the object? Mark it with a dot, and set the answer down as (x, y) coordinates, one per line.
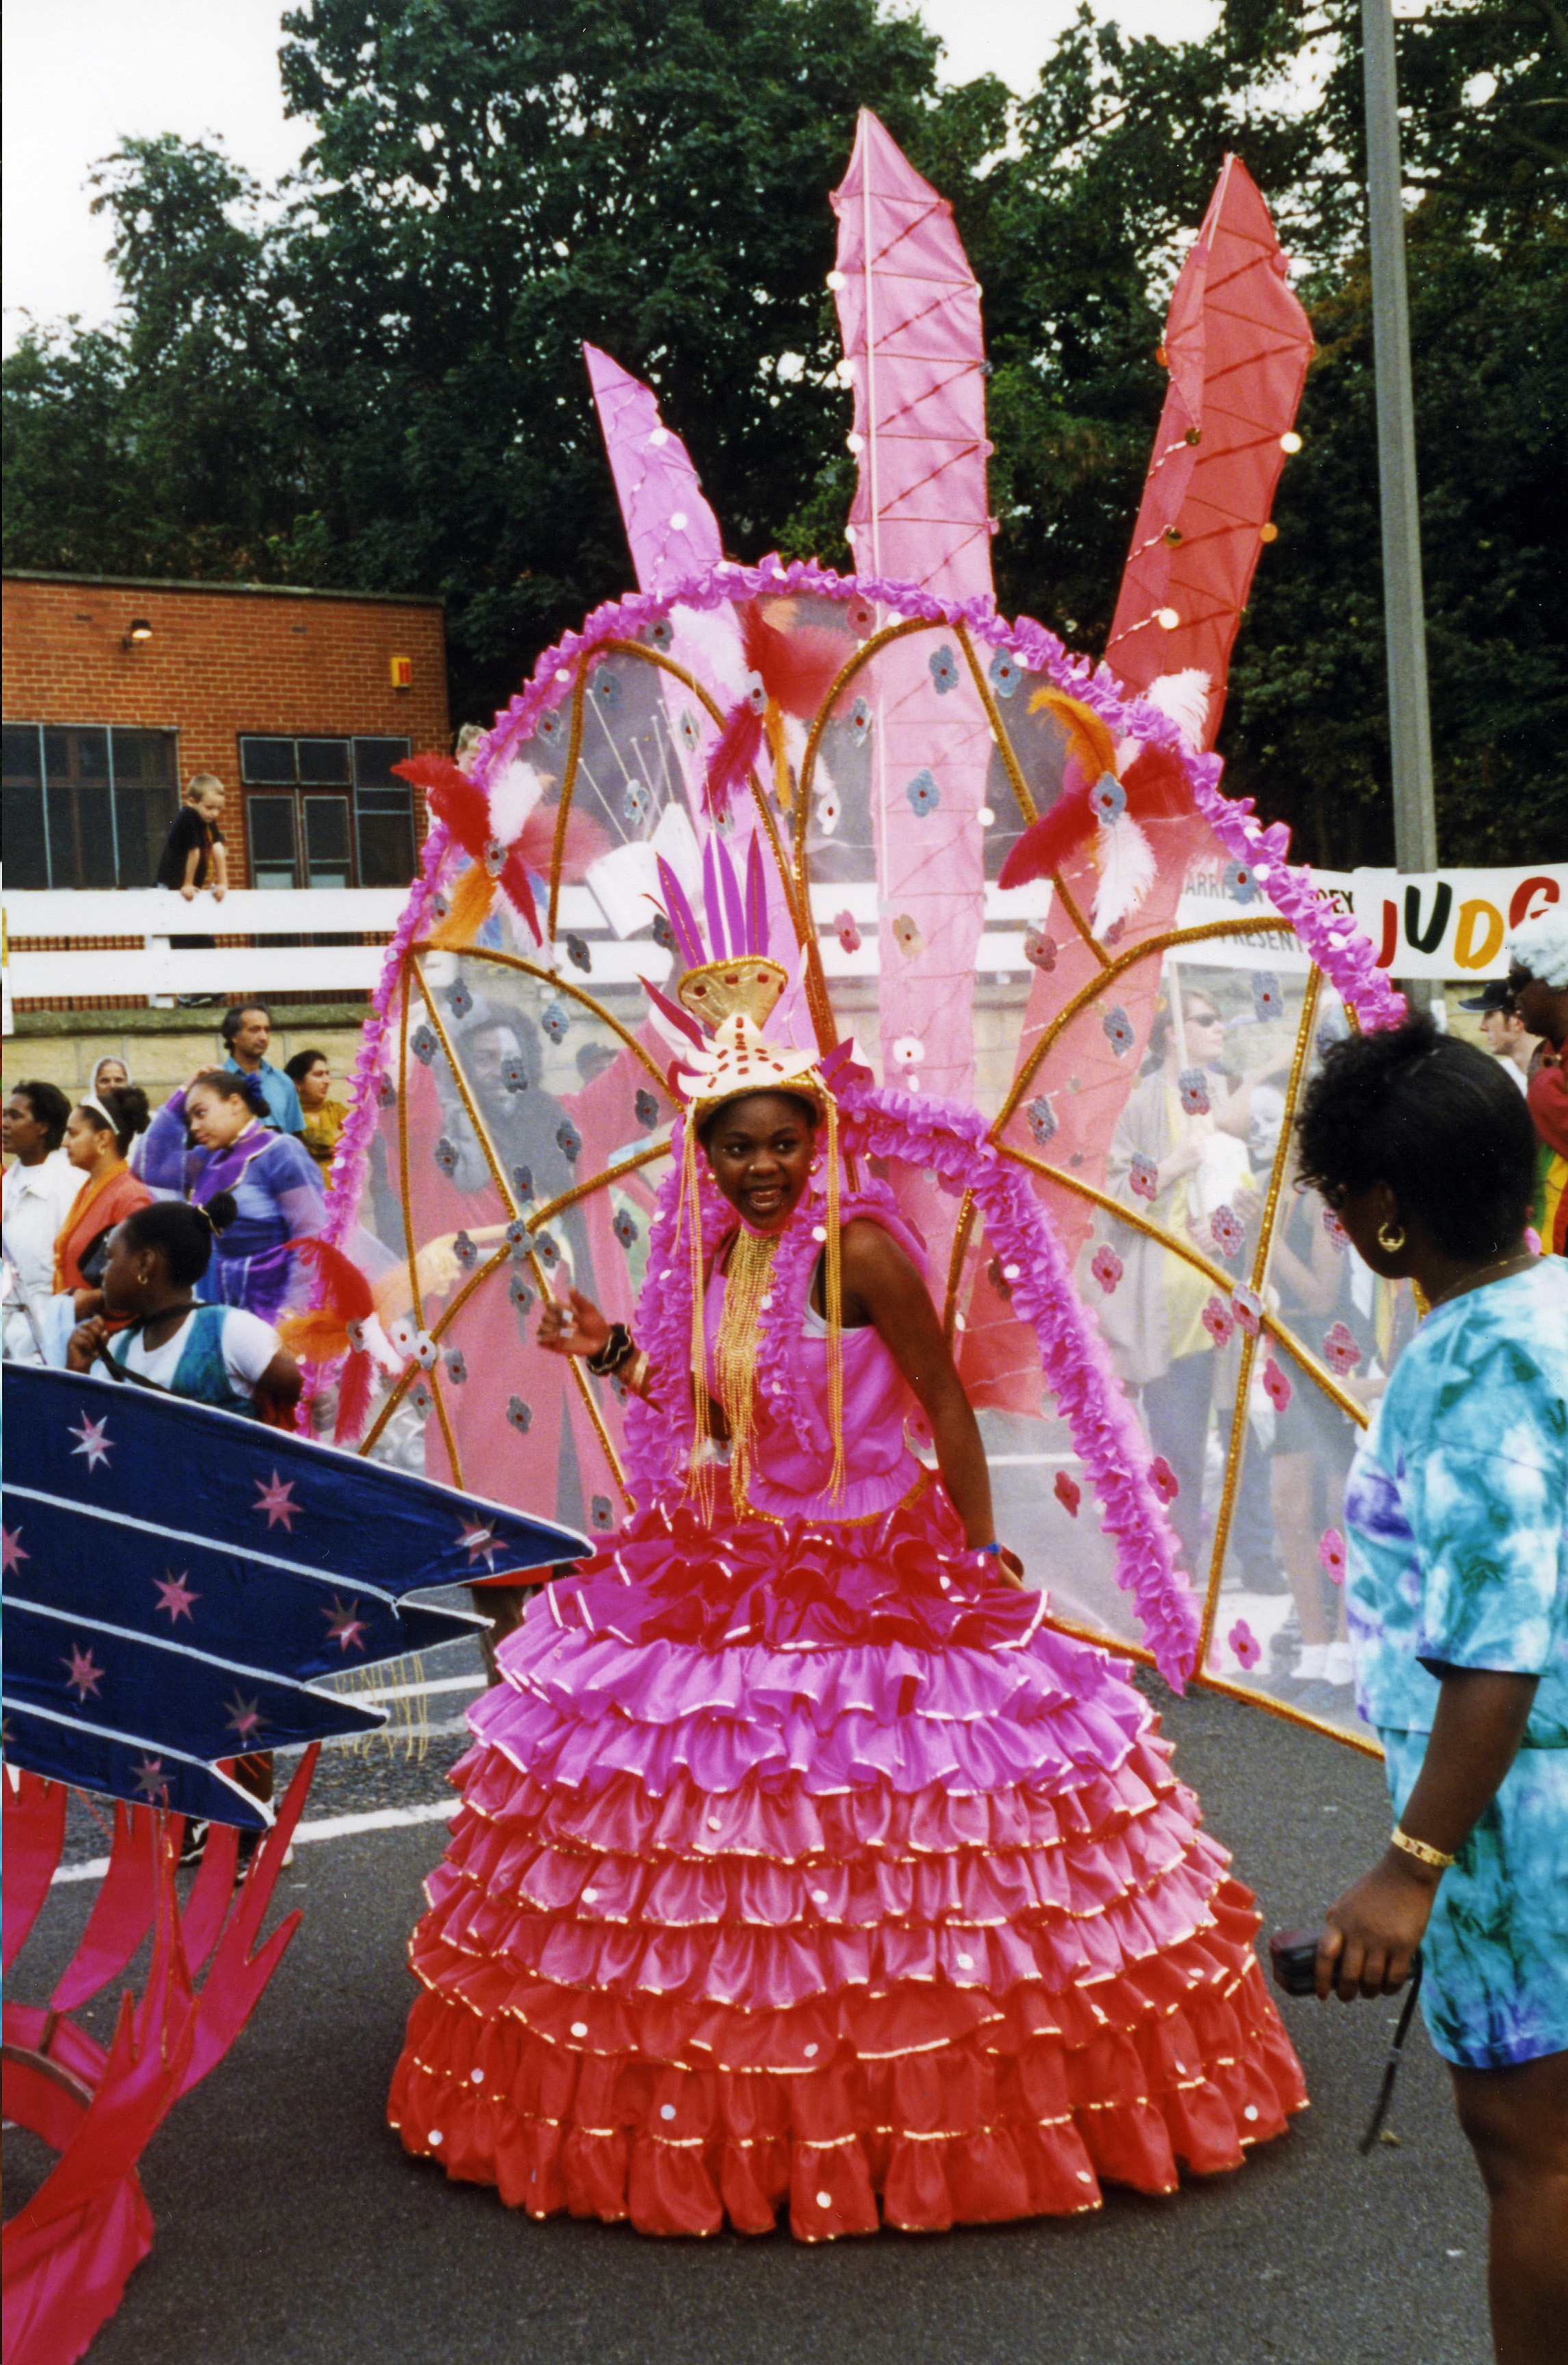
(220, 1210)
(127, 1105)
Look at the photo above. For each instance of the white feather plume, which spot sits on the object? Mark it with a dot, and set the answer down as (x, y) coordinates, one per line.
(1127, 871)
(1184, 697)
(514, 792)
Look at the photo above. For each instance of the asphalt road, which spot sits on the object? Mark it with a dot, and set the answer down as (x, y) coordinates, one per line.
(292, 2229)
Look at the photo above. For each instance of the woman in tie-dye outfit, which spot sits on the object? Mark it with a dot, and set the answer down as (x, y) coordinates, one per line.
(1456, 1512)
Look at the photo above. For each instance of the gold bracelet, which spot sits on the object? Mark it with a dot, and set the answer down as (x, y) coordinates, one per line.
(635, 1377)
(1421, 1852)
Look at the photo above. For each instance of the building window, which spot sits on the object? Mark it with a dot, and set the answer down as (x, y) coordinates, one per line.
(327, 813)
(86, 805)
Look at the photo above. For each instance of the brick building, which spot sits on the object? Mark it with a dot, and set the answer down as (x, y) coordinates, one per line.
(300, 701)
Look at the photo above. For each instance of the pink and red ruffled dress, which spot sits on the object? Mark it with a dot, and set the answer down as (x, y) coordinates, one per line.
(795, 1864)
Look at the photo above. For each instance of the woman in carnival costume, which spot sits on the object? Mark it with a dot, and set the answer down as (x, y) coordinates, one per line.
(799, 1860)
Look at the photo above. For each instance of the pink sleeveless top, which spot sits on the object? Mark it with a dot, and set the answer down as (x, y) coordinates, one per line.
(790, 1481)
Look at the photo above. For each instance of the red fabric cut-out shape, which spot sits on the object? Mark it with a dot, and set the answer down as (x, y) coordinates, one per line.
(1276, 1387)
(1068, 1493)
(1163, 1479)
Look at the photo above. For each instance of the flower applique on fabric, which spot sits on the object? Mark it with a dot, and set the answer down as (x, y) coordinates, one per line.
(1118, 1029)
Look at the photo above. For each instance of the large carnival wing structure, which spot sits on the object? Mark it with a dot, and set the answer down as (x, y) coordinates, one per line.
(876, 755)
(180, 1584)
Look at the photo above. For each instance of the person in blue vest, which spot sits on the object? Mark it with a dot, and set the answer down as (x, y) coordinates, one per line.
(215, 1354)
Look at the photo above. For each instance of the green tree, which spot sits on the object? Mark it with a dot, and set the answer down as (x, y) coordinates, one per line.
(373, 377)
(497, 182)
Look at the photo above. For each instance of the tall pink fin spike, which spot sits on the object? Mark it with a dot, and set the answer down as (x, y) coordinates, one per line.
(673, 533)
(909, 315)
(1236, 343)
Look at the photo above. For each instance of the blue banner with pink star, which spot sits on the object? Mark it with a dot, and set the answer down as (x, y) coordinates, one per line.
(178, 1581)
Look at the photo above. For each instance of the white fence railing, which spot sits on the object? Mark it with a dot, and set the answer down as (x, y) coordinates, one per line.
(159, 971)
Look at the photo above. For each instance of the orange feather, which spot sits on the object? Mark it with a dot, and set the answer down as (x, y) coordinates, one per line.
(1087, 738)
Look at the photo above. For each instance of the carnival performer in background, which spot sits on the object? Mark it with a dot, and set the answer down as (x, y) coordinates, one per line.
(799, 1861)
(1456, 1517)
(274, 1183)
(98, 1135)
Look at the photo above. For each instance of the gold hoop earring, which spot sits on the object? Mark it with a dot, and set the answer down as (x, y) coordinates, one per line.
(1391, 1238)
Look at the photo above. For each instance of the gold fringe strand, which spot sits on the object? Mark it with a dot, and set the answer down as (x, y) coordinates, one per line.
(747, 1284)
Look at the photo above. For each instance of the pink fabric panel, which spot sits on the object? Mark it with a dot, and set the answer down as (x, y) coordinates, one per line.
(909, 315)
(1237, 345)
(654, 481)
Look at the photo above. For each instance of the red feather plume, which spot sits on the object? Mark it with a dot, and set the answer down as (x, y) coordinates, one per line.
(346, 1297)
(1048, 842)
(465, 807)
(1157, 785)
(345, 1292)
(798, 667)
(453, 798)
(735, 752)
(356, 1390)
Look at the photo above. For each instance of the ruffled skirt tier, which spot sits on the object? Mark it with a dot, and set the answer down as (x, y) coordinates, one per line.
(794, 1866)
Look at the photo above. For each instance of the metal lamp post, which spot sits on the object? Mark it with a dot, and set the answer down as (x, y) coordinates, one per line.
(1410, 735)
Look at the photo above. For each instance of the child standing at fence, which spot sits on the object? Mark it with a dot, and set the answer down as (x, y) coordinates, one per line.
(193, 855)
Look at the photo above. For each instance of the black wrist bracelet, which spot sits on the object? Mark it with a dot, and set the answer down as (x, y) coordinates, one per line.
(613, 1353)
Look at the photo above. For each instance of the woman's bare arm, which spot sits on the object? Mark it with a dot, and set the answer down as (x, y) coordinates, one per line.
(1369, 1935)
(882, 1288)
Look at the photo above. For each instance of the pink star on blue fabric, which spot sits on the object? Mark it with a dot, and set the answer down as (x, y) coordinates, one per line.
(95, 1444)
(243, 1715)
(11, 1553)
(174, 1596)
(344, 1627)
(277, 1501)
(83, 1675)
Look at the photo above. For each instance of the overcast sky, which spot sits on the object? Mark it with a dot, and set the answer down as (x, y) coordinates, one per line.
(82, 75)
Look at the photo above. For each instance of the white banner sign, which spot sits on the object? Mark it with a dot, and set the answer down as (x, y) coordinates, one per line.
(1436, 924)
(1445, 923)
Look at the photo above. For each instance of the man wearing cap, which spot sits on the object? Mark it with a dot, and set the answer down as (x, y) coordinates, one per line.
(1537, 982)
(1502, 1031)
